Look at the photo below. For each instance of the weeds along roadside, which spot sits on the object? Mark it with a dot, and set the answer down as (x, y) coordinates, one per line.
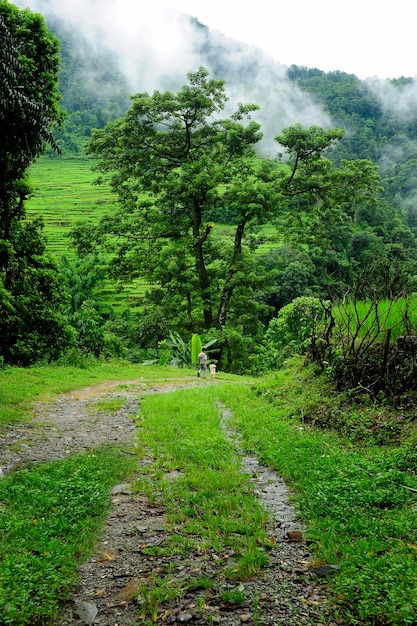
(210, 506)
(50, 517)
(359, 501)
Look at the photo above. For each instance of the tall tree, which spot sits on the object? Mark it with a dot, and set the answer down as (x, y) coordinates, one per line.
(173, 159)
(324, 200)
(32, 324)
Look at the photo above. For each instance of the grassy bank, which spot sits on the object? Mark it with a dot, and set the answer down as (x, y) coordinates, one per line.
(357, 496)
(50, 514)
(359, 501)
(20, 387)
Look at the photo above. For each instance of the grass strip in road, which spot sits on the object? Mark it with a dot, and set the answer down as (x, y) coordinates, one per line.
(50, 516)
(210, 506)
(360, 503)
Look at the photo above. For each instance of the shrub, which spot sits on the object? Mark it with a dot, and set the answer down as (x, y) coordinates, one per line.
(293, 330)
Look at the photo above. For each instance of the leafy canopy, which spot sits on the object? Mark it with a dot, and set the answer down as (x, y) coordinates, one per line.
(174, 162)
(32, 324)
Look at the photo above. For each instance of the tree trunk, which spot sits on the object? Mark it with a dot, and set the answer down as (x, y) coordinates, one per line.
(203, 279)
(228, 286)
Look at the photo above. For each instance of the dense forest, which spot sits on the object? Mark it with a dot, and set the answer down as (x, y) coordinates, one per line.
(338, 195)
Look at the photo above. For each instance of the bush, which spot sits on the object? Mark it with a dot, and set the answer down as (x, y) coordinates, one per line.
(293, 330)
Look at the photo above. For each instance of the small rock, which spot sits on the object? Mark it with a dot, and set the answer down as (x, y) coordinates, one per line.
(87, 612)
(184, 618)
(125, 489)
(295, 535)
(128, 593)
(325, 570)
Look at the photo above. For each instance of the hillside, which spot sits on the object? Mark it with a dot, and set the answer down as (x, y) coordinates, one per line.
(295, 236)
(380, 117)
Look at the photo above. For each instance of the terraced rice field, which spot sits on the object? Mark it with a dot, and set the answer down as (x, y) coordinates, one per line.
(64, 194)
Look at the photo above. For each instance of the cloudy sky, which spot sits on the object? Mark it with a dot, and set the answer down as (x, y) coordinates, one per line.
(368, 38)
(363, 37)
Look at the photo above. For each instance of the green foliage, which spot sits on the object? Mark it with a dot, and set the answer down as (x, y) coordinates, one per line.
(196, 347)
(179, 353)
(33, 326)
(28, 108)
(183, 177)
(183, 167)
(367, 342)
(50, 516)
(175, 351)
(328, 207)
(293, 275)
(293, 329)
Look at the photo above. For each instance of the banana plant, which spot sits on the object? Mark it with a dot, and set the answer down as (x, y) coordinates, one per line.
(180, 353)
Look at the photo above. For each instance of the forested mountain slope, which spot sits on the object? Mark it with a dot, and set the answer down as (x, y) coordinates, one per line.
(379, 116)
(307, 148)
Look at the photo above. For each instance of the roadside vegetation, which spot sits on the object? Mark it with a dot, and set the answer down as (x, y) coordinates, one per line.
(354, 480)
(50, 515)
(351, 469)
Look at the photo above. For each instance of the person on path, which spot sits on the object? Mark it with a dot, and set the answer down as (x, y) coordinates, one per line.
(202, 361)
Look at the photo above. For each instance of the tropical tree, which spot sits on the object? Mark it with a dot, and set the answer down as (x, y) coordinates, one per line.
(31, 296)
(173, 160)
(325, 202)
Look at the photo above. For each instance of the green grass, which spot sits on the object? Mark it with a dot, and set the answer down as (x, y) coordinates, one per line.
(212, 500)
(50, 516)
(388, 315)
(211, 508)
(64, 194)
(360, 504)
(359, 501)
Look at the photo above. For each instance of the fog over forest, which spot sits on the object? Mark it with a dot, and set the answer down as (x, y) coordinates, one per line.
(155, 47)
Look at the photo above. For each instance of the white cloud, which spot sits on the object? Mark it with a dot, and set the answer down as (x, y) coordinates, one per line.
(362, 37)
(155, 48)
(402, 101)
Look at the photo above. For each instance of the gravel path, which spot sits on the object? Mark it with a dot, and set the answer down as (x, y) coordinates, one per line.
(288, 592)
